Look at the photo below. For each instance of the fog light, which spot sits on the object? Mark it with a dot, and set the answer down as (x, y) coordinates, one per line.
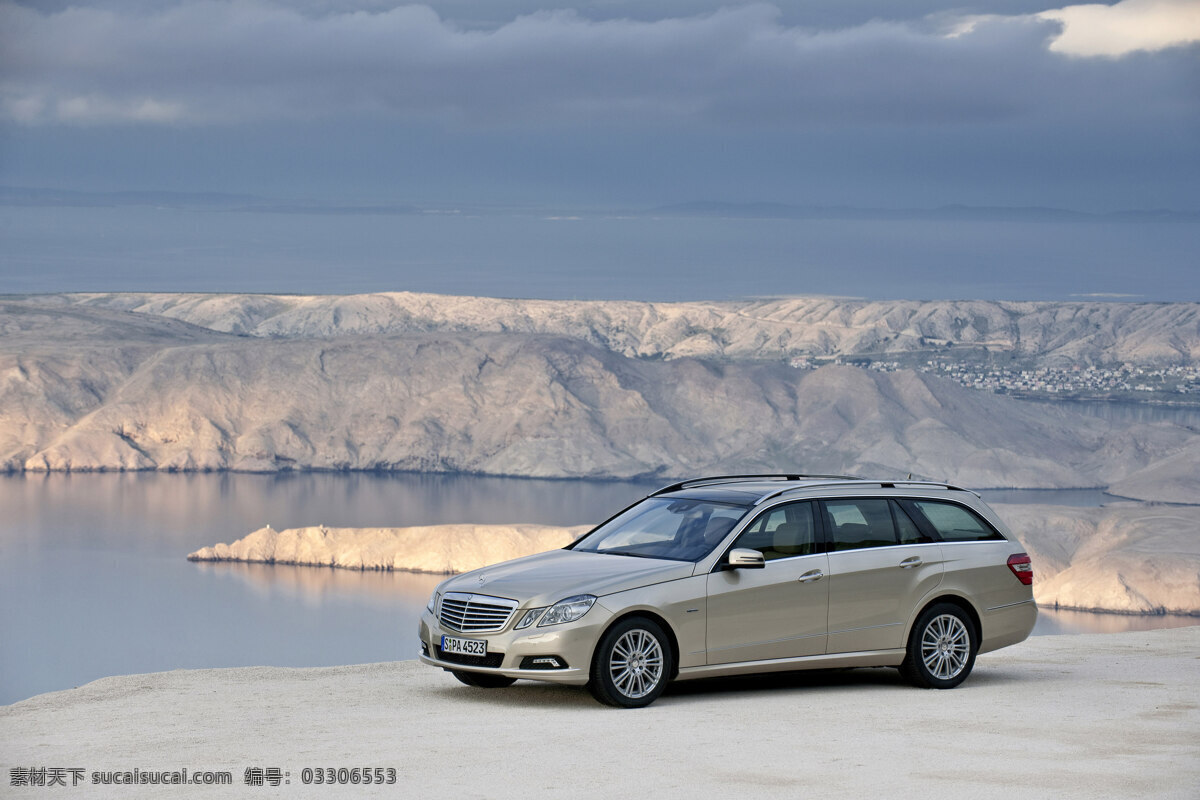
(543, 662)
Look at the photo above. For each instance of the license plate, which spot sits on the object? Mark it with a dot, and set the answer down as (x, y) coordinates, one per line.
(464, 647)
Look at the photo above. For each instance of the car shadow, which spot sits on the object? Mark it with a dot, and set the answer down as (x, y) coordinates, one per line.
(884, 677)
(522, 694)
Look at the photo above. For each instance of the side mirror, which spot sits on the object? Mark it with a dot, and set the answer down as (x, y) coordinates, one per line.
(745, 558)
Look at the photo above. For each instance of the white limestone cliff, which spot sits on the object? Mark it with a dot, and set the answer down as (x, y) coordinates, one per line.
(1129, 559)
(426, 548)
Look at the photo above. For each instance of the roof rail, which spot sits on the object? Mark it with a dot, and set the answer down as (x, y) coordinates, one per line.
(861, 481)
(779, 476)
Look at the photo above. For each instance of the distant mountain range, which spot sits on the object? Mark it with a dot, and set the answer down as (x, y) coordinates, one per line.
(1057, 334)
(109, 383)
(219, 201)
(952, 213)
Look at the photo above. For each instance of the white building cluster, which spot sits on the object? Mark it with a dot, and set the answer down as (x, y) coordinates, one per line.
(1075, 380)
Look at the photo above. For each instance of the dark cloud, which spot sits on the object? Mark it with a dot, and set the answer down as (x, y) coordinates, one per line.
(489, 14)
(216, 62)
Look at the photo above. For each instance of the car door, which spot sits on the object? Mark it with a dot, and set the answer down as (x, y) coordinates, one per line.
(880, 566)
(778, 611)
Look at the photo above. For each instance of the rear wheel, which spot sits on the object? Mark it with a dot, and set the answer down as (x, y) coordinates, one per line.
(483, 680)
(941, 648)
(632, 664)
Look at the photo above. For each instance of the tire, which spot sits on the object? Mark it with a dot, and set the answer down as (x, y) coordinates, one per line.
(941, 648)
(483, 680)
(632, 665)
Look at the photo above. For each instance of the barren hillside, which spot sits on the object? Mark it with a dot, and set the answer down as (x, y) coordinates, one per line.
(1054, 334)
(86, 388)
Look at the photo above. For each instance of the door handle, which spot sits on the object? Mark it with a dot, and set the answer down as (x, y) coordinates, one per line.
(909, 563)
(812, 575)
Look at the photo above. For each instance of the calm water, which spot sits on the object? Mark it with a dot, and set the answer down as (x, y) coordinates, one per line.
(597, 256)
(1188, 416)
(94, 581)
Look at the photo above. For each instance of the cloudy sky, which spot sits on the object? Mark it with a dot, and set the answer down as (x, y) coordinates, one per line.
(609, 103)
(860, 102)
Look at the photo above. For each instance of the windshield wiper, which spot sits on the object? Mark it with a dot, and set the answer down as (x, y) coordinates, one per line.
(640, 555)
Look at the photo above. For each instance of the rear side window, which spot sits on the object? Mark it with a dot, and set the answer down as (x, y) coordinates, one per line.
(859, 523)
(953, 522)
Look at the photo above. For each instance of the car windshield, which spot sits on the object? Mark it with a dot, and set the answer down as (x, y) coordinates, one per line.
(664, 527)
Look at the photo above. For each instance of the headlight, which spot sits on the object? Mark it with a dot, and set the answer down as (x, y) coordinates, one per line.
(433, 602)
(530, 617)
(568, 610)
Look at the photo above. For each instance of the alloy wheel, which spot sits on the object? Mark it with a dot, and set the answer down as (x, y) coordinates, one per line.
(945, 646)
(636, 663)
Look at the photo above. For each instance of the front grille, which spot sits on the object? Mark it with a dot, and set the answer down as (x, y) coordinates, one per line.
(490, 660)
(475, 613)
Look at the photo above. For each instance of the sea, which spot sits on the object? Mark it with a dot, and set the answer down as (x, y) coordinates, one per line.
(568, 254)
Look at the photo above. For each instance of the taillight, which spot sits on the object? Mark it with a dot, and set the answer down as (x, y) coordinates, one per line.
(1022, 567)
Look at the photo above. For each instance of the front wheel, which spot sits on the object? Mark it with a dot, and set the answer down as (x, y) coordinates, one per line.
(632, 664)
(483, 680)
(941, 648)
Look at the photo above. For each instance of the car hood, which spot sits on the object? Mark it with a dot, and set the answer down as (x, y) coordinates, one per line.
(546, 578)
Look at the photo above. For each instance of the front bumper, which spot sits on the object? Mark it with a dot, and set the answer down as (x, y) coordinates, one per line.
(573, 642)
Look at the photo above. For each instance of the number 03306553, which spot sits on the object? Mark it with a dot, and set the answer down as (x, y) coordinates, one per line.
(345, 775)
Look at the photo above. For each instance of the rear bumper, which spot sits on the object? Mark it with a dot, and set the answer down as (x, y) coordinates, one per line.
(1007, 624)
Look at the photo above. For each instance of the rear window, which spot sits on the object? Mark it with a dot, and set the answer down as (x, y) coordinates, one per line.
(954, 523)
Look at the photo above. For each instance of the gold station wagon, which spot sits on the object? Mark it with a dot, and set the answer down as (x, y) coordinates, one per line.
(745, 574)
